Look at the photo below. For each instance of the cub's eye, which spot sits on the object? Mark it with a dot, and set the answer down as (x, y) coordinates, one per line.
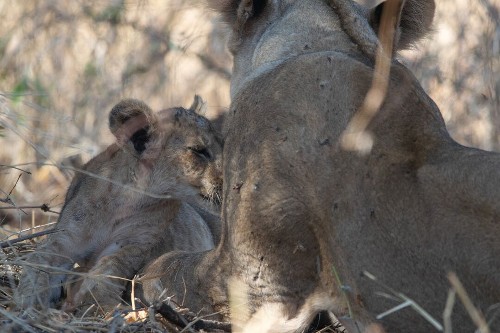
(201, 152)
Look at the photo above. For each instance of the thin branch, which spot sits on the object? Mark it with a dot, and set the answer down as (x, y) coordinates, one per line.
(23, 238)
(201, 324)
(8, 199)
(171, 315)
(112, 181)
(4, 166)
(190, 321)
(44, 207)
(22, 137)
(448, 310)
(24, 325)
(33, 228)
(13, 187)
(473, 312)
(406, 302)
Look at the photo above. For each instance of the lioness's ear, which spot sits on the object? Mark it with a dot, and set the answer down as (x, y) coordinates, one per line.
(131, 121)
(237, 12)
(415, 20)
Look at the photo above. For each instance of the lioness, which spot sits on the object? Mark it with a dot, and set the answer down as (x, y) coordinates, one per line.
(303, 218)
(144, 195)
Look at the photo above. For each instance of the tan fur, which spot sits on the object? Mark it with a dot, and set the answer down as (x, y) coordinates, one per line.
(302, 216)
(129, 204)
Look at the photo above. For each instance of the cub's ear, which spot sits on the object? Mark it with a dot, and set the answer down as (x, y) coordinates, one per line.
(131, 121)
(415, 20)
(237, 12)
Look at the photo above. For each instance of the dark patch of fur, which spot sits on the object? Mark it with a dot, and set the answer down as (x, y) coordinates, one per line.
(375, 17)
(258, 7)
(229, 8)
(139, 139)
(321, 322)
(416, 21)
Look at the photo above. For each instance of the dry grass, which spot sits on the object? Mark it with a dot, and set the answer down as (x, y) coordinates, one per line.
(123, 319)
(160, 318)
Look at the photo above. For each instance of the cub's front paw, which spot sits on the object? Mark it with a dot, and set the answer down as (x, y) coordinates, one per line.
(34, 290)
(102, 291)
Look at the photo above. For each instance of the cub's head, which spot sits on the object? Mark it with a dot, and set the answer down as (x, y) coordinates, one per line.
(178, 152)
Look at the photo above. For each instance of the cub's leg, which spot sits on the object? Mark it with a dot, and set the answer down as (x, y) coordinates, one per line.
(106, 281)
(45, 271)
(185, 275)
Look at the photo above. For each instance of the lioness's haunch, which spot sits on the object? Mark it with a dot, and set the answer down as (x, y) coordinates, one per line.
(303, 218)
(143, 196)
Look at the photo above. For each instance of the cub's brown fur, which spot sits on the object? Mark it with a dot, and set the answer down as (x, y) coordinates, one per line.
(139, 198)
(303, 218)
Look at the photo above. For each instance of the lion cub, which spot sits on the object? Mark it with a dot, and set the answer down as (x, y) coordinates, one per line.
(143, 196)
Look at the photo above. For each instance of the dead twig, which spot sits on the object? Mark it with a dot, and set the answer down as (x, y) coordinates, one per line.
(8, 199)
(171, 315)
(23, 238)
(448, 310)
(473, 312)
(406, 302)
(44, 207)
(13, 318)
(3, 166)
(199, 323)
(190, 320)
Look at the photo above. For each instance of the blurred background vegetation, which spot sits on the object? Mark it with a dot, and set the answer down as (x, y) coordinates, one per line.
(64, 64)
